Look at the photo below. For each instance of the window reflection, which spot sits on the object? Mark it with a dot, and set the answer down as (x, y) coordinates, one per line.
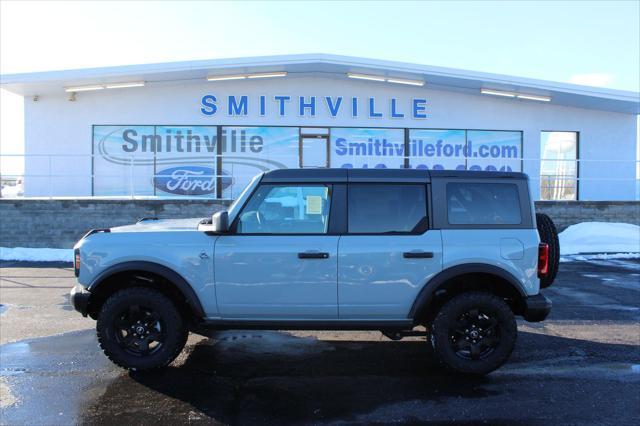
(558, 165)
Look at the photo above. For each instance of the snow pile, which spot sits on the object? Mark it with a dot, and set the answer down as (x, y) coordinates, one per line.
(36, 254)
(600, 237)
(603, 256)
(11, 191)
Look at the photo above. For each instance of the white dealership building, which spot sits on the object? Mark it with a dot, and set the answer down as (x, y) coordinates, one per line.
(203, 128)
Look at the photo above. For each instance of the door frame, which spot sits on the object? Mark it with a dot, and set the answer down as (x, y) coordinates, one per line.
(301, 136)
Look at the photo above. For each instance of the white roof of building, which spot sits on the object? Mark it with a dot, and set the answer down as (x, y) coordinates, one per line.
(331, 66)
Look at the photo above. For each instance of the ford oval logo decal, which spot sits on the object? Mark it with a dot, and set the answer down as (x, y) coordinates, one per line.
(186, 180)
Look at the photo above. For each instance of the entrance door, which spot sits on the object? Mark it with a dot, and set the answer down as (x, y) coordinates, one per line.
(314, 150)
(279, 262)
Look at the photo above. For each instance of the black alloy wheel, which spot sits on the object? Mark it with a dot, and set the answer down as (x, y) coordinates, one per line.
(139, 330)
(475, 334)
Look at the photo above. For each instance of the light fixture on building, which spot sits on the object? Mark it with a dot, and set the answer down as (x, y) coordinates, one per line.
(535, 97)
(405, 81)
(225, 77)
(515, 95)
(90, 87)
(267, 75)
(365, 77)
(124, 84)
(387, 79)
(72, 97)
(83, 88)
(497, 93)
(243, 76)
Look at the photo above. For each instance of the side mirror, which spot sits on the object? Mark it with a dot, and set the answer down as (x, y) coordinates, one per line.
(220, 221)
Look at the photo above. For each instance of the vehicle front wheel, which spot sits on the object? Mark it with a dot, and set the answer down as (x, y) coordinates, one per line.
(474, 333)
(140, 329)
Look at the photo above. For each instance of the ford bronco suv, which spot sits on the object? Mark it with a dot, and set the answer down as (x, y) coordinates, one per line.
(451, 255)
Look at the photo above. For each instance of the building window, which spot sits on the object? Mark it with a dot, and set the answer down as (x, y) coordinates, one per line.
(219, 161)
(494, 150)
(437, 149)
(559, 166)
(490, 150)
(360, 148)
(247, 151)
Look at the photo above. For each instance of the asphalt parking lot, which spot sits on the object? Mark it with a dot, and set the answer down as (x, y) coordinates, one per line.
(581, 366)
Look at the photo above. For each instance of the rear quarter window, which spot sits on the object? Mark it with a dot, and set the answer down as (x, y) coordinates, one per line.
(483, 203)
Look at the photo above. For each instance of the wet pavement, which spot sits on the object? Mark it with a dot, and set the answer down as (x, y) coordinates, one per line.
(582, 366)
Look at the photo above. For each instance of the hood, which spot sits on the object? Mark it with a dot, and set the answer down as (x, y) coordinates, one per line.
(161, 225)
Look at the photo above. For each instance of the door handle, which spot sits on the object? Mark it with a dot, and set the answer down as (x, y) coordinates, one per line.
(417, 254)
(313, 255)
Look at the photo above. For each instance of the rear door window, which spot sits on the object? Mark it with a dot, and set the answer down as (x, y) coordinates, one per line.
(387, 208)
(483, 204)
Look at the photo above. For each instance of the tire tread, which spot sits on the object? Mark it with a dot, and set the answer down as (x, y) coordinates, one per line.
(549, 234)
(145, 293)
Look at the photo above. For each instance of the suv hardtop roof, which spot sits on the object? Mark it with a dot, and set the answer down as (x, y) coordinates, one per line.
(379, 175)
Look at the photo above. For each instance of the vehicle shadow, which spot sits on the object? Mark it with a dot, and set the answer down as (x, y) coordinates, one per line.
(253, 377)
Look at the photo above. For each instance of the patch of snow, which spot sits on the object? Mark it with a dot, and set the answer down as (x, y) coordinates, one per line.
(603, 256)
(591, 238)
(11, 191)
(36, 254)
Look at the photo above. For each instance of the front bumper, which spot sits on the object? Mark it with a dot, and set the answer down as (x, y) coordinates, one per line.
(536, 308)
(79, 297)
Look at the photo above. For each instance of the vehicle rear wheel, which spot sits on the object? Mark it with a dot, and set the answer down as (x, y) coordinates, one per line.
(549, 234)
(474, 333)
(140, 329)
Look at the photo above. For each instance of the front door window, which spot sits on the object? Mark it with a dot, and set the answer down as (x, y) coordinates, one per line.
(286, 209)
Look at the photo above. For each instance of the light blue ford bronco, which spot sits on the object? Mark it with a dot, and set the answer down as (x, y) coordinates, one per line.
(451, 255)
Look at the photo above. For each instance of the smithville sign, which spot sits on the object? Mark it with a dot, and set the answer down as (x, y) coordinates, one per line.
(308, 106)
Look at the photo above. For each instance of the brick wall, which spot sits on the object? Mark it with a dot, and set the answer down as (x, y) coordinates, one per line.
(60, 223)
(565, 213)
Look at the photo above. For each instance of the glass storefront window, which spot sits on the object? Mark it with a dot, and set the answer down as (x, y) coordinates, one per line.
(558, 166)
(491, 150)
(216, 161)
(123, 160)
(185, 161)
(437, 149)
(362, 148)
(494, 150)
(247, 151)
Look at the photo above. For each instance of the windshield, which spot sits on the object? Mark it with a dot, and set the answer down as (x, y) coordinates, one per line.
(238, 202)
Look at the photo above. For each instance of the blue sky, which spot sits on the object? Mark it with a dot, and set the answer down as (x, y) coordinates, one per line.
(589, 42)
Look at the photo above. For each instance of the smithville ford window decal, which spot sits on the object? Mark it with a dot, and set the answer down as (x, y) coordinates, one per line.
(182, 160)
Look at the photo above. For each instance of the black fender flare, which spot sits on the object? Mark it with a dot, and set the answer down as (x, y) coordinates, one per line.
(169, 274)
(428, 292)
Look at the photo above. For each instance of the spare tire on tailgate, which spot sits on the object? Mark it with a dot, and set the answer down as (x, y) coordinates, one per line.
(549, 234)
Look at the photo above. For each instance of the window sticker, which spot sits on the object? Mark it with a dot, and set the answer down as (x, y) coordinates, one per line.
(314, 204)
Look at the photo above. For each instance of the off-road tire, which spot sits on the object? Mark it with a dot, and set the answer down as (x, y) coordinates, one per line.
(176, 330)
(549, 234)
(441, 340)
